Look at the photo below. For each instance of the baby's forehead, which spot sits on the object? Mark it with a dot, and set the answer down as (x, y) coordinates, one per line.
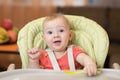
(53, 18)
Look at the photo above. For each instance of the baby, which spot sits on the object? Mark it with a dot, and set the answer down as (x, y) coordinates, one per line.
(60, 55)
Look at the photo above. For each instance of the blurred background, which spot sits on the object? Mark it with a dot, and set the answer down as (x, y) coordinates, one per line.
(20, 12)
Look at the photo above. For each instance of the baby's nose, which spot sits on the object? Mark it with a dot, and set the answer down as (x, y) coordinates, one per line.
(56, 34)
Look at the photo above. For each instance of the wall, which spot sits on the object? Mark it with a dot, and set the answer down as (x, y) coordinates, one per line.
(23, 11)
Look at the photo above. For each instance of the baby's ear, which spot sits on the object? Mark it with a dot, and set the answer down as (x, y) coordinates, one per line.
(42, 37)
(71, 34)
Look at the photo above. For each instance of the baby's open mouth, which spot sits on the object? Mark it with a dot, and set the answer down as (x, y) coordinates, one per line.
(57, 41)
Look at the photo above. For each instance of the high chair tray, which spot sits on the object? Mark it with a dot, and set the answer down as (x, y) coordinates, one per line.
(37, 74)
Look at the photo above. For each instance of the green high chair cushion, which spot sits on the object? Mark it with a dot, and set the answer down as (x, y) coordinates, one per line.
(86, 33)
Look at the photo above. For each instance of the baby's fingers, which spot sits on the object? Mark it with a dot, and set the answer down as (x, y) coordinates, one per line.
(33, 50)
(87, 71)
(34, 56)
(90, 70)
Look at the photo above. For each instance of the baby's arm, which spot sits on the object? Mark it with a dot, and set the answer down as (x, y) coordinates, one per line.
(33, 56)
(90, 66)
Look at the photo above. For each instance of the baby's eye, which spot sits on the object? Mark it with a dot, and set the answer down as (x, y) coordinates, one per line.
(49, 32)
(61, 30)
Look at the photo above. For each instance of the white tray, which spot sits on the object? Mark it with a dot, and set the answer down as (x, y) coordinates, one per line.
(37, 74)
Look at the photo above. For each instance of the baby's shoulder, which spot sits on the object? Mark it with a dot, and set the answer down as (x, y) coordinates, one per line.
(77, 48)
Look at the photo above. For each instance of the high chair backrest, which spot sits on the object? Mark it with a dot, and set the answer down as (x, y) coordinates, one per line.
(87, 34)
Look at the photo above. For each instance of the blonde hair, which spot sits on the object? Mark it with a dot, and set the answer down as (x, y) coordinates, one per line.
(54, 16)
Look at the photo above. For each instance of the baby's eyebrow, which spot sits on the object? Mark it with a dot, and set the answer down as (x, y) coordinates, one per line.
(47, 28)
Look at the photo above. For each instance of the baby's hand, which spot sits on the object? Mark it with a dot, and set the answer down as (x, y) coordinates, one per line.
(90, 69)
(34, 53)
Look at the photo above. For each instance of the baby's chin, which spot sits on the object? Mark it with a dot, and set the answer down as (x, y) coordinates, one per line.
(59, 49)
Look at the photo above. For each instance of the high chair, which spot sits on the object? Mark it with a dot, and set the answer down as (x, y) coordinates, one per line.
(87, 34)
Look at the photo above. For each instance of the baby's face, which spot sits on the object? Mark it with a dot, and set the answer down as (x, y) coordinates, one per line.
(56, 34)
